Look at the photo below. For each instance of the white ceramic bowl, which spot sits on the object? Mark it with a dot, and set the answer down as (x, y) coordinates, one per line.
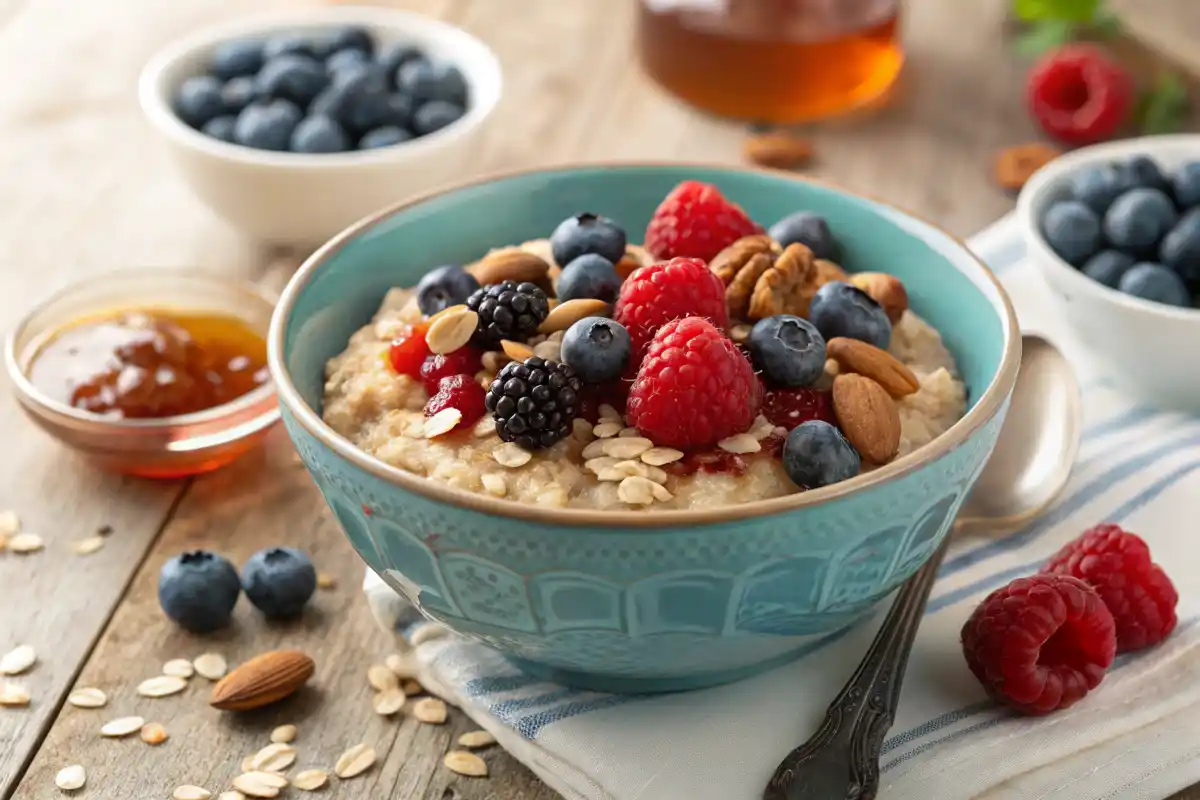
(1144, 344)
(301, 199)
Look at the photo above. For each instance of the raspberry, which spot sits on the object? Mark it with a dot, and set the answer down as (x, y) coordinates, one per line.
(1137, 592)
(1040, 643)
(1079, 95)
(790, 407)
(461, 392)
(694, 387)
(463, 361)
(659, 293)
(696, 220)
(407, 353)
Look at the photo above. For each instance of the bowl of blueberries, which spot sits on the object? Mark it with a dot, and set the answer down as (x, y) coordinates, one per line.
(292, 127)
(1115, 230)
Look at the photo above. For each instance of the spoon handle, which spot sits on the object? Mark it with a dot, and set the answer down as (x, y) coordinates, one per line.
(841, 760)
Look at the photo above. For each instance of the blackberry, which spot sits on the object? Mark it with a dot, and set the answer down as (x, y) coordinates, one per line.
(508, 310)
(534, 402)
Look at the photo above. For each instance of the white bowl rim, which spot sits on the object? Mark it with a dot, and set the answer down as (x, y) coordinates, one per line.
(156, 105)
(1051, 177)
(991, 399)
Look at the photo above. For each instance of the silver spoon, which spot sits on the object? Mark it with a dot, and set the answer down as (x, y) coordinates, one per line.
(1025, 474)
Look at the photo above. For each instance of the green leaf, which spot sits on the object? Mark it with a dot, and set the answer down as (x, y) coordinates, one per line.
(1062, 10)
(1043, 37)
(1106, 26)
(1164, 108)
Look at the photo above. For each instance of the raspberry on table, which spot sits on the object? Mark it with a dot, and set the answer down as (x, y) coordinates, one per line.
(789, 408)
(694, 388)
(1139, 595)
(1040, 643)
(1079, 95)
(461, 392)
(656, 294)
(695, 220)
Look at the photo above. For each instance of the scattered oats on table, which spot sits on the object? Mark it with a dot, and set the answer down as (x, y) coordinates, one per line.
(85, 547)
(274, 757)
(284, 734)
(71, 778)
(429, 710)
(161, 686)
(25, 543)
(17, 660)
(211, 666)
(326, 581)
(464, 763)
(87, 697)
(476, 739)
(260, 784)
(310, 780)
(13, 696)
(355, 761)
(153, 733)
(121, 727)
(179, 668)
(382, 678)
(190, 792)
(388, 702)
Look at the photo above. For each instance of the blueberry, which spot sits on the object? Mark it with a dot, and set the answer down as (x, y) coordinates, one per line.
(589, 276)
(288, 44)
(444, 287)
(198, 590)
(839, 309)
(790, 350)
(1143, 172)
(292, 77)
(587, 233)
(236, 58)
(354, 37)
(1072, 230)
(360, 102)
(199, 100)
(815, 454)
(383, 137)
(267, 125)
(237, 93)
(221, 127)
(349, 58)
(1107, 267)
(318, 135)
(1186, 183)
(597, 349)
(435, 115)
(1138, 220)
(279, 581)
(424, 80)
(808, 229)
(1155, 282)
(394, 57)
(1097, 187)
(1180, 248)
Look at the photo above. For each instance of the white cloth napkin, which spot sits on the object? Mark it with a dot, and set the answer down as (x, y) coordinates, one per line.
(1137, 736)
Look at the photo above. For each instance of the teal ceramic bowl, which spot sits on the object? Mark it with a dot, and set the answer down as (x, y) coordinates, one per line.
(638, 601)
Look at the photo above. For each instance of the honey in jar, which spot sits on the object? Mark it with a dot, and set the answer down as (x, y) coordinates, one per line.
(772, 61)
(150, 363)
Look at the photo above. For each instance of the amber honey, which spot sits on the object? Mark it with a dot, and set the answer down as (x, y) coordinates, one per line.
(773, 61)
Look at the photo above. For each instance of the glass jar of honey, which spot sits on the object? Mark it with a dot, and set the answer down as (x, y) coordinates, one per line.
(773, 61)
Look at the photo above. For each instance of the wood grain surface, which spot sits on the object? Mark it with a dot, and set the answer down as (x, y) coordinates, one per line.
(86, 189)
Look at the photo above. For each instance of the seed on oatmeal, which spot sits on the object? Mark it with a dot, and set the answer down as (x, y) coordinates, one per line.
(600, 463)
(494, 483)
(211, 666)
(179, 668)
(567, 314)
(10, 523)
(476, 739)
(85, 547)
(189, 792)
(636, 491)
(427, 633)
(13, 695)
(122, 726)
(283, 734)
(740, 443)
(412, 687)
(450, 330)
(605, 411)
(248, 763)
(275, 757)
(355, 761)
(326, 581)
(430, 710)
(485, 427)
(550, 351)
(485, 379)
(260, 784)
(388, 702)
(762, 428)
(628, 432)
(658, 456)
(442, 422)
(232, 794)
(17, 660)
(87, 697)
(606, 430)
(626, 447)
(581, 429)
(515, 350)
(310, 780)
(622, 470)
(161, 686)
(400, 666)
(660, 492)
(153, 733)
(656, 474)
(510, 455)
(70, 778)
(594, 449)
(26, 543)
(494, 360)
(465, 763)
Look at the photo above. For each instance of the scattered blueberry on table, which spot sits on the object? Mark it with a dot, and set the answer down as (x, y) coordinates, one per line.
(198, 590)
(329, 93)
(1132, 226)
(279, 581)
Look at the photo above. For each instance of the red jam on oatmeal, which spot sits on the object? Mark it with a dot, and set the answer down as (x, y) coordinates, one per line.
(716, 364)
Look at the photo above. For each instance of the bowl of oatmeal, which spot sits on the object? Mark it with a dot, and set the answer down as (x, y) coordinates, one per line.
(644, 427)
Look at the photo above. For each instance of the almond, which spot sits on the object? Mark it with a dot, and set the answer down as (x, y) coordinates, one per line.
(868, 360)
(1013, 166)
(867, 416)
(510, 264)
(887, 290)
(567, 314)
(262, 680)
(450, 331)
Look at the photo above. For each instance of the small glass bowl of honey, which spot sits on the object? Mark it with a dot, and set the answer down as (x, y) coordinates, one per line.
(150, 372)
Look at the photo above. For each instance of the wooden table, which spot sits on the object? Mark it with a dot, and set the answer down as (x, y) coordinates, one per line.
(86, 189)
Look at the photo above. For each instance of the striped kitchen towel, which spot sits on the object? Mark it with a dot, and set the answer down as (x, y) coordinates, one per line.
(1137, 736)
